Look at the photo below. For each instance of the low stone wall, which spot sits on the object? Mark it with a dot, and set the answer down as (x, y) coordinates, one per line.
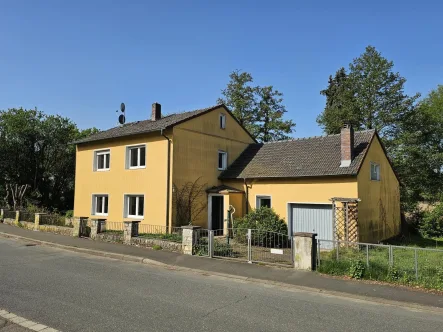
(146, 242)
(9, 221)
(28, 225)
(56, 229)
(110, 237)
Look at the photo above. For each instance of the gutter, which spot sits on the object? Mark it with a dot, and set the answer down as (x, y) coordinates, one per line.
(247, 196)
(168, 177)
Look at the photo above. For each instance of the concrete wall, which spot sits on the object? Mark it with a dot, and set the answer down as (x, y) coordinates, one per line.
(196, 146)
(118, 181)
(379, 209)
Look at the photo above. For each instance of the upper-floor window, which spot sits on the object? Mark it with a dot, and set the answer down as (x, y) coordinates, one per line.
(263, 201)
(222, 160)
(222, 121)
(134, 206)
(375, 172)
(102, 160)
(100, 205)
(136, 156)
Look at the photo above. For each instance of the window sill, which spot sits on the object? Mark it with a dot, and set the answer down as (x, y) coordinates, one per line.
(135, 217)
(137, 167)
(222, 169)
(100, 214)
(103, 170)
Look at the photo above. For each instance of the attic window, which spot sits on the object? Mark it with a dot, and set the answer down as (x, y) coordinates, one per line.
(222, 160)
(222, 121)
(375, 172)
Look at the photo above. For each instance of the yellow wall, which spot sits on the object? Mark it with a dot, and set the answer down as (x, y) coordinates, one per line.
(284, 191)
(379, 209)
(150, 181)
(196, 145)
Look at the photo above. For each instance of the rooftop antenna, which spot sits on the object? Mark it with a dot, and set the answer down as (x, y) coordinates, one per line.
(122, 117)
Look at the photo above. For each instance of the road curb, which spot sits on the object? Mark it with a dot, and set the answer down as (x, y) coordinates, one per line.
(230, 277)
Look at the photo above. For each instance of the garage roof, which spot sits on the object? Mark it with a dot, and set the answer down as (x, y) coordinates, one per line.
(304, 157)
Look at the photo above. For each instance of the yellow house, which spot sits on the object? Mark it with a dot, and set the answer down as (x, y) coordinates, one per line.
(143, 170)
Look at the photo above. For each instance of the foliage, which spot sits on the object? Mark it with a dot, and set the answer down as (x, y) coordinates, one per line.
(432, 223)
(156, 247)
(393, 274)
(357, 269)
(69, 214)
(189, 201)
(264, 219)
(174, 237)
(370, 95)
(259, 109)
(35, 151)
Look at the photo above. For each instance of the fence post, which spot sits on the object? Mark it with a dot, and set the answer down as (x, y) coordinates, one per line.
(305, 251)
(130, 231)
(17, 217)
(338, 246)
(250, 246)
(190, 239)
(96, 227)
(37, 220)
(367, 255)
(2, 213)
(416, 264)
(390, 256)
(318, 253)
(211, 244)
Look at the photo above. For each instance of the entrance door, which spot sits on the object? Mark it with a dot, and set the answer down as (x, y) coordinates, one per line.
(216, 212)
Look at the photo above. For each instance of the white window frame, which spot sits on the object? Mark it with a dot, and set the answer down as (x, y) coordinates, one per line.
(126, 206)
(224, 160)
(107, 154)
(128, 156)
(94, 204)
(377, 165)
(258, 199)
(222, 121)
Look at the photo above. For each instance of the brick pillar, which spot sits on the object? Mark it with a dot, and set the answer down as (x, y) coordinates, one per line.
(130, 231)
(305, 251)
(17, 217)
(190, 238)
(79, 225)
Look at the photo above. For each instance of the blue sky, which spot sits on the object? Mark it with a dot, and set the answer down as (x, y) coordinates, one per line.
(81, 59)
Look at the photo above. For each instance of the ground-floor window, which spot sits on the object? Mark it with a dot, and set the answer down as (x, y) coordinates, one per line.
(263, 201)
(134, 206)
(100, 205)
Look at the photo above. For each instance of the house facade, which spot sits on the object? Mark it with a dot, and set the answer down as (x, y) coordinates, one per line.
(134, 172)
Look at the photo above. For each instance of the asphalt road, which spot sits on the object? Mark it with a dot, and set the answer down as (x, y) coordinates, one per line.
(76, 292)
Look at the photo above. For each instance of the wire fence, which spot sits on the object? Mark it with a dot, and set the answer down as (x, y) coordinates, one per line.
(408, 265)
(27, 216)
(9, 214)
(112, 226)
(53, 219)
(201, 244)
(172, 234)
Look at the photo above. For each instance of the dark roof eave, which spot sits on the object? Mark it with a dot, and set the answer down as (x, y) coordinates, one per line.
(287, 177)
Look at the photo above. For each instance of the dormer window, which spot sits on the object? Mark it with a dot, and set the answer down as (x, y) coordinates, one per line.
(222, 121)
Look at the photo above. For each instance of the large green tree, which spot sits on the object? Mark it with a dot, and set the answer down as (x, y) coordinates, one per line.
(36, 152)
(370, 95)
(259, 109)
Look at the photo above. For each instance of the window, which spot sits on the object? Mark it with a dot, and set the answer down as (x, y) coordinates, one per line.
(222, 160)
(135, 206)
(263, 201)
(100, 205)
(136, 157)
(222, 121)
(375, 172)
(102, 160)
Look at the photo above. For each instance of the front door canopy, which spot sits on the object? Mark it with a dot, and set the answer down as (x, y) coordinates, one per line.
(345, 200)
(223, 189)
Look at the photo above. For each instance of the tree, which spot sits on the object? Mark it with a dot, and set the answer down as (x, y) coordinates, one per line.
(258, 109)
(270, 125)
(239, 96)
(190, 201)
(370, 96)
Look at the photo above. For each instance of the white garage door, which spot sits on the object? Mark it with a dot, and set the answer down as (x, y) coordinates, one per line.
(313, 218)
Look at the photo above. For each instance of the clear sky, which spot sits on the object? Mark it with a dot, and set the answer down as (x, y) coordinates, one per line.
(81, 59)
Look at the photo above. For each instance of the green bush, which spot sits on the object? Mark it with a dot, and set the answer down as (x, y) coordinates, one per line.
(357, 269)
(264, 221)
(431, 224)
(69, 214)
(393, 274)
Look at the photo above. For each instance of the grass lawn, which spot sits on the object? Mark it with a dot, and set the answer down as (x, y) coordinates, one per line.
(412, 263)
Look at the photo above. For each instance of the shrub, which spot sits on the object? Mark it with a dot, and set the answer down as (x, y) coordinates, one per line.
(69, 214)
(393, 274)
(357, 269)
(431, 224)
(156, 247)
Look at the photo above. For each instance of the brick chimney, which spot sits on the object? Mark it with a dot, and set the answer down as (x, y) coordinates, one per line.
(156, 112)
(347, 145)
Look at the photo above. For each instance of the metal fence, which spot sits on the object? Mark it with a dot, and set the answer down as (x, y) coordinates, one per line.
(382, 262)
(27, 216)
(52, 219)
(8, 214)
(173, 234)
(112, 226)
(249, 245)
(201, 245)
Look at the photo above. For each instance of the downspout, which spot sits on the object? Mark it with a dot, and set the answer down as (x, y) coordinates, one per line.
(247, 195)
(168, 178)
